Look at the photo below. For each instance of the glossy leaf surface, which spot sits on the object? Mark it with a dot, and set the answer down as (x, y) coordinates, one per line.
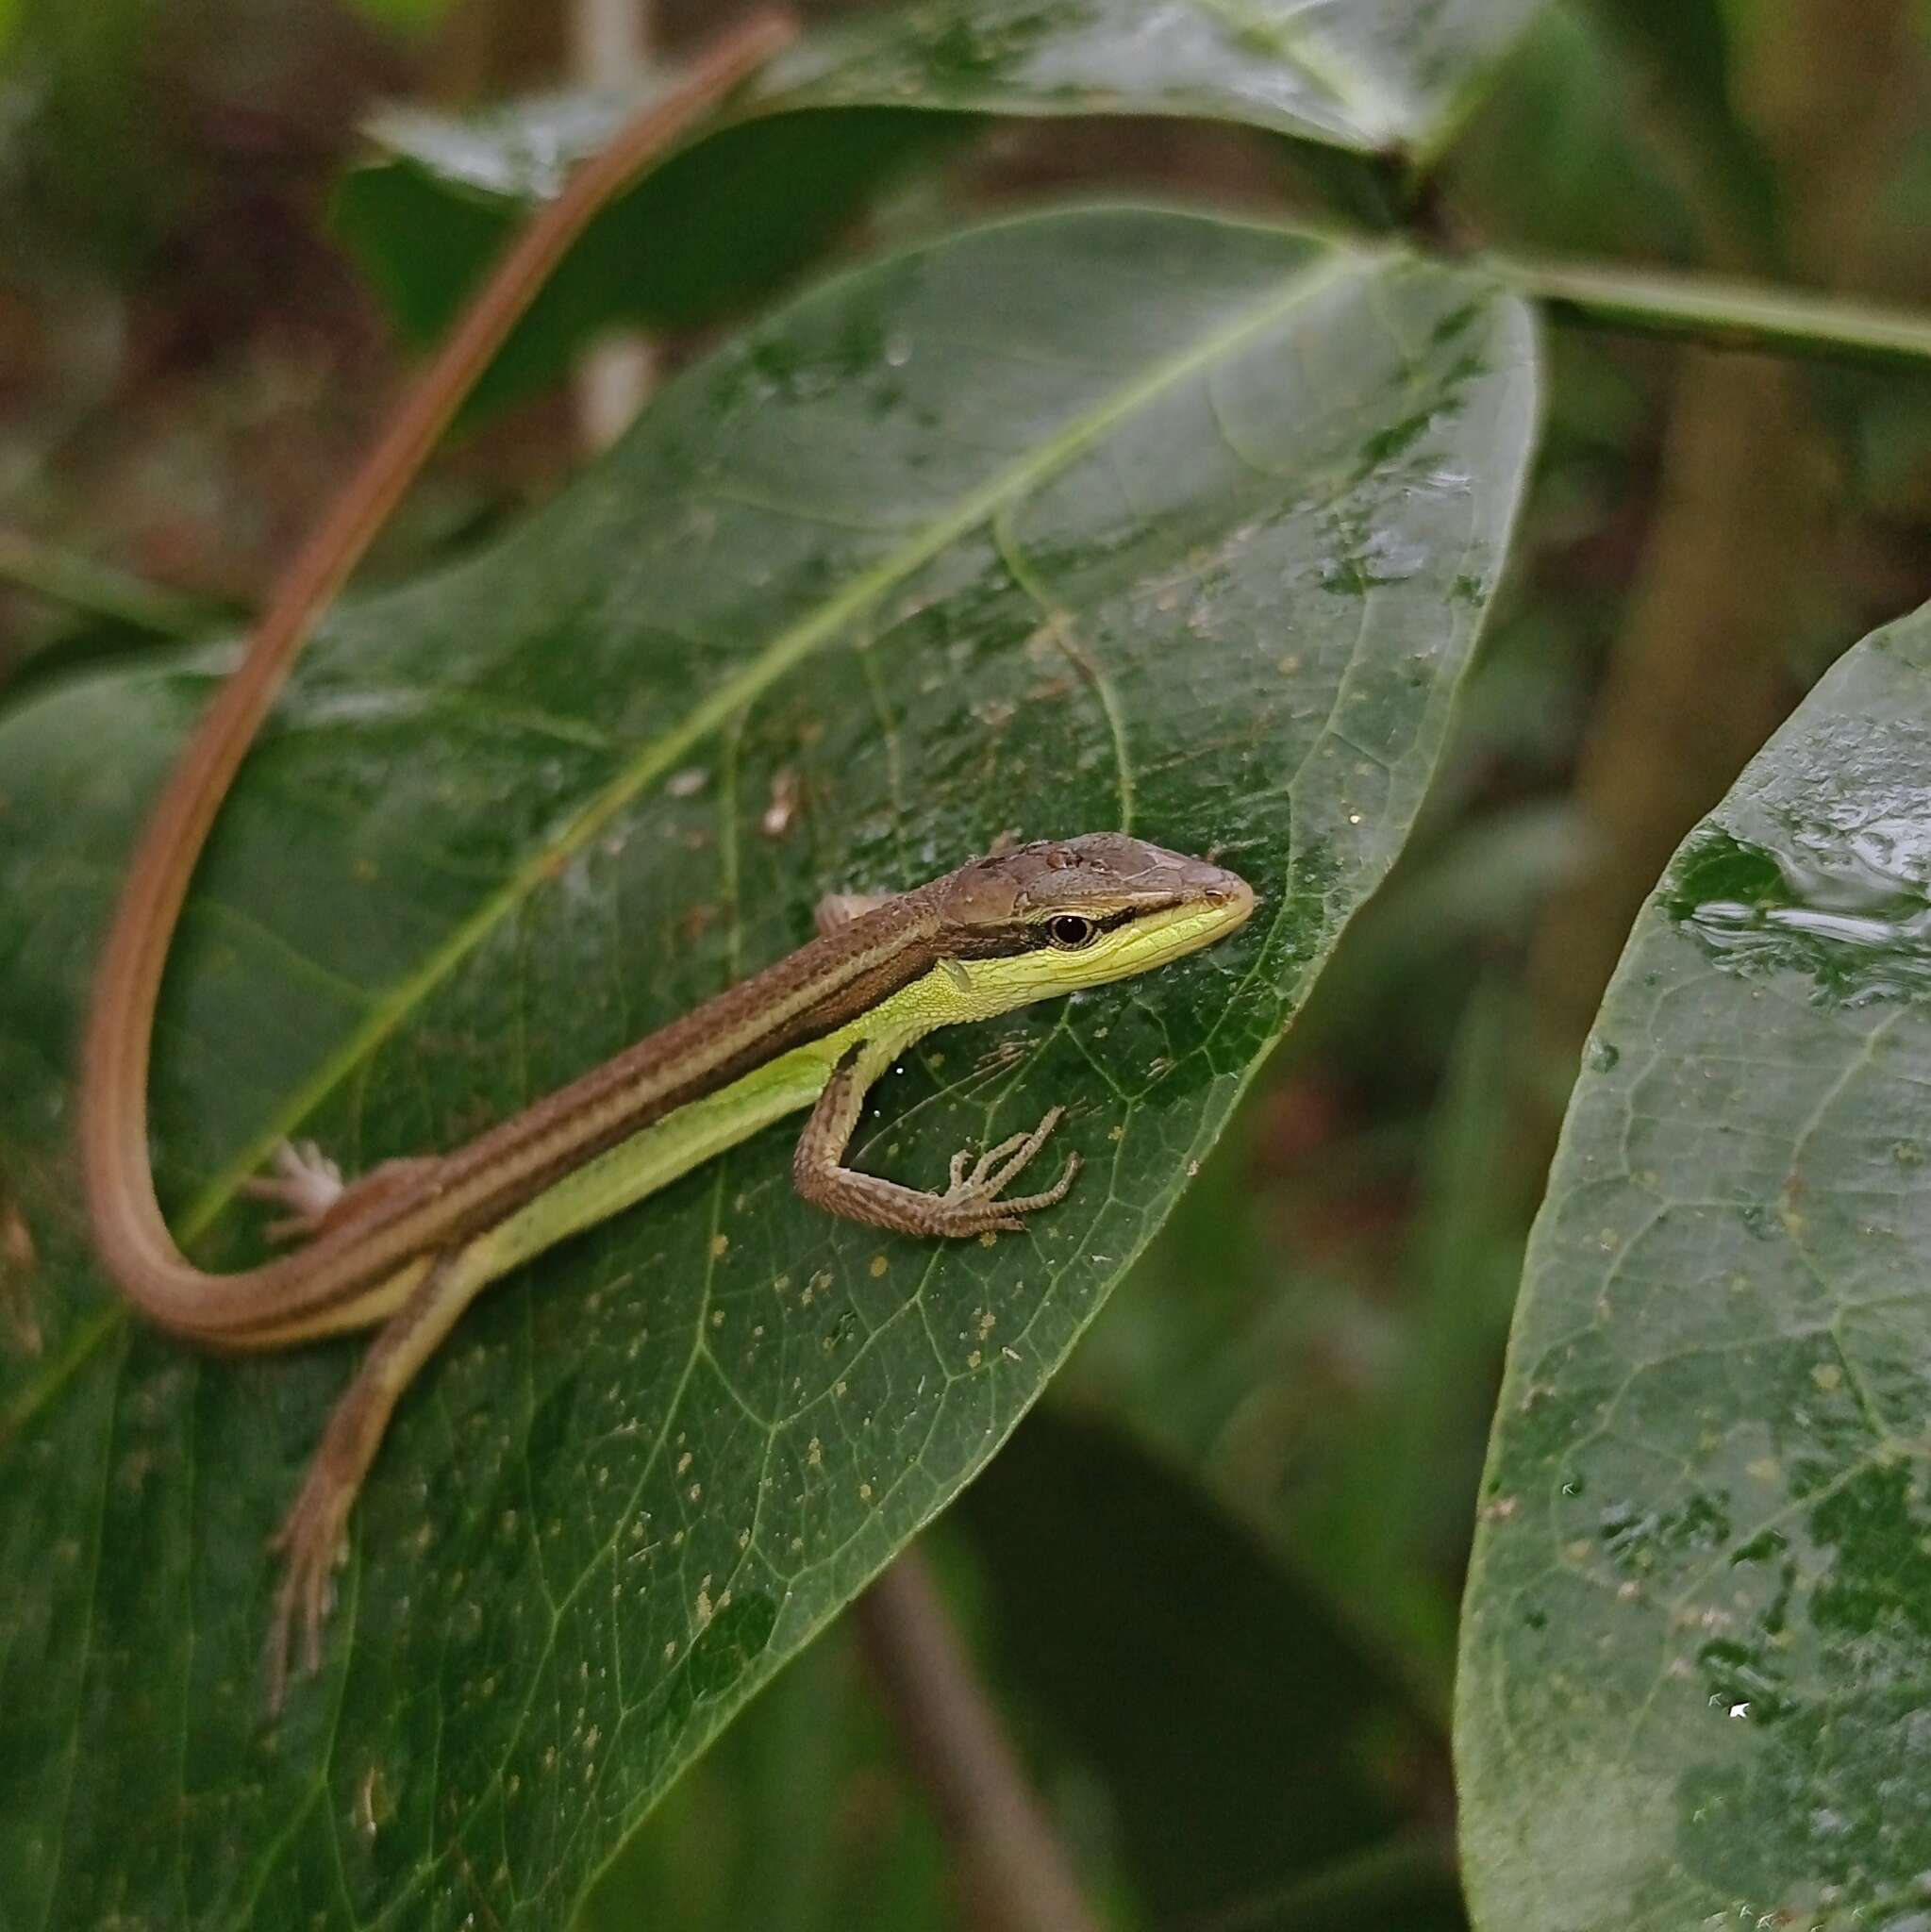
(1117, 518)
(1699, 1625)
(832, 122)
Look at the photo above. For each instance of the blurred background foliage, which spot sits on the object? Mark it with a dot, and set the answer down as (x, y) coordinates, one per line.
(1250, 1496)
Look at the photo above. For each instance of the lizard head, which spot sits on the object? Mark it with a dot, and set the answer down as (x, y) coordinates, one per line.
(1059, 914)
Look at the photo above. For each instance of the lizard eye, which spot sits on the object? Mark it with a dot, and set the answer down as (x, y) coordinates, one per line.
(1068, 931)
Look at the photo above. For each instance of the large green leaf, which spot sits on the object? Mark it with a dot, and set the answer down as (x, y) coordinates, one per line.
(823, 130)
(1372, 76)
(1073, 1565)
(1095, 519)
(1699, 1625)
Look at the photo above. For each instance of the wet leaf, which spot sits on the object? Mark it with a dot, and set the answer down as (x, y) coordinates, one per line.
(831, 123)
(1100, 518)
(1372, 76)
(1700, 1615)
(799, 1819)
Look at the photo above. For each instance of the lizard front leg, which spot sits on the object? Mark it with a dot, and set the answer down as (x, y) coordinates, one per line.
(974, 1203)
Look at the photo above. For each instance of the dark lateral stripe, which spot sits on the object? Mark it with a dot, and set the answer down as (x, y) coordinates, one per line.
(394, 1234)
(1029, 936)
(843, 976)
(840, 1006)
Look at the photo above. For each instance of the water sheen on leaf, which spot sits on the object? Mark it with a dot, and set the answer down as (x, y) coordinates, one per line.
(828, 125)
(1699, 1623)
(1107, 519)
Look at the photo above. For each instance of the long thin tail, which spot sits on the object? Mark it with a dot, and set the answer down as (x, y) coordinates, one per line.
(128, 1227)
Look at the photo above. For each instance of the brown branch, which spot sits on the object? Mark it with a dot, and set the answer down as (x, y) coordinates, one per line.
(1012, 1870)
(1698, 678)
(1737, 577)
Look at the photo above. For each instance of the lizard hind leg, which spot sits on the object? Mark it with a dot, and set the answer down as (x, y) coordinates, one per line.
(310, 1541)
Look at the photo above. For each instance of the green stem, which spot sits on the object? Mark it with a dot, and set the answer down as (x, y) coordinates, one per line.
(99, 590)
(1727, 313)
(1357, 1890)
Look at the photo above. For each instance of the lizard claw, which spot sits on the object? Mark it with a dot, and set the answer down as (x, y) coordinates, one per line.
(307, 1182)
(310, 1543)
(983, 1184)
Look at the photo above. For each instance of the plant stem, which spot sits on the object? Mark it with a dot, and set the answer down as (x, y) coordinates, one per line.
(1718, 311)
(100, 590)
(1014, 1870)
